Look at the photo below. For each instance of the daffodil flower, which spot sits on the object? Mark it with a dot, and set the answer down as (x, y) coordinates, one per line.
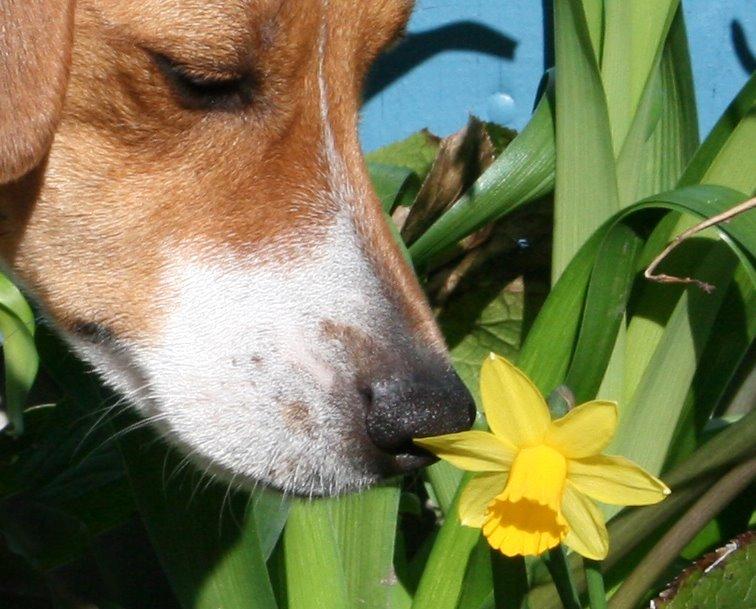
(537, 477)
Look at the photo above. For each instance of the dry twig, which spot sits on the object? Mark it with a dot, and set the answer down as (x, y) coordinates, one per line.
(723, 217)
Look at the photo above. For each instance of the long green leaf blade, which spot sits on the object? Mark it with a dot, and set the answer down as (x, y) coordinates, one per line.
(315, 576)
(586, 185)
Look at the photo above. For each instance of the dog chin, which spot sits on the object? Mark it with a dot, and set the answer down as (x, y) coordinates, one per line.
(220, 448)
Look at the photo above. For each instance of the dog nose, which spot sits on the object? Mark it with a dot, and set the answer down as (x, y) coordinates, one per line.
(413, 406)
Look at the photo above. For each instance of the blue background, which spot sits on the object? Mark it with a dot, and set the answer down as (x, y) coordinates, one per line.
(486, 57)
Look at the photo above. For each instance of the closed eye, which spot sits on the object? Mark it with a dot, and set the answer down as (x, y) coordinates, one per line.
(197, 90)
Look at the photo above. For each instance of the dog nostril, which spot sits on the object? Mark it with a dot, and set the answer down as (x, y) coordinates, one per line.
(406, 408)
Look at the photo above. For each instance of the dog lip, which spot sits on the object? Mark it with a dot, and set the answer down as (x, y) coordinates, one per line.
(407, 462)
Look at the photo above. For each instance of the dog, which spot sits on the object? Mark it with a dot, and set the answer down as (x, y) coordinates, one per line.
(184, 196)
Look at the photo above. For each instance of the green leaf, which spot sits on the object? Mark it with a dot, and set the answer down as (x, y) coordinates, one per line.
(205, 538)
(606, 298)
(655, 301)
(315, 577)
(548, 348)
(586, 185)
(730, 340)
(720, 580)
(416, 153)
(21, 360)
(522, 173)
(648, 421)
(441, 584)
(663, 135)
(389, 182)
(633, 40)
(481, 320)
(12, 298)
(365, 530)
(270, 509)
(728, 155)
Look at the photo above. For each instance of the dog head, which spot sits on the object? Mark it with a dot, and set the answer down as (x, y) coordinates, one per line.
(186, 197)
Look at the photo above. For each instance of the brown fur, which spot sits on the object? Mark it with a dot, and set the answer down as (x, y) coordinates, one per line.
(131, 170)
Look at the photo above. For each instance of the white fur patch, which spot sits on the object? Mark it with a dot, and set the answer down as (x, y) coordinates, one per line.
(244, 376)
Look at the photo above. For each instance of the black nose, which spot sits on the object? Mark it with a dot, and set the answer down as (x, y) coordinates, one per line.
(414, 406)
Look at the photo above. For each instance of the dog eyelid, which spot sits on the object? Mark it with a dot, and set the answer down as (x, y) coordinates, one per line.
(197, 90)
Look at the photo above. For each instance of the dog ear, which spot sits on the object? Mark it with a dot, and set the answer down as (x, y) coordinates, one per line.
(35, 54)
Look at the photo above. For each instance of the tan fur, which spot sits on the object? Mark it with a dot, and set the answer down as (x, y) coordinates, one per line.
(130, 167)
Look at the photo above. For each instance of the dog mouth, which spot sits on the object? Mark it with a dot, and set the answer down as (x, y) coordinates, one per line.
(410, 461)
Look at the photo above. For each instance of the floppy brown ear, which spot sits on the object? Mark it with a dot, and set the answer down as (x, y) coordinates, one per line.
(35, 53)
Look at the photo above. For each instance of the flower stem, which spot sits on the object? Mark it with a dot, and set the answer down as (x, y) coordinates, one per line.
(510, 580)
(595, 581)
(560, 573)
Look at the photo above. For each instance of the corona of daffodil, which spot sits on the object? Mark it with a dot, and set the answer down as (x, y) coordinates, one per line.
(538, 478)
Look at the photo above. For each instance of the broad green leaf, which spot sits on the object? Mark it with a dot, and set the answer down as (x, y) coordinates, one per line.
(389, 182)
(270, 509)
(477, 586)
(586, 185)
(544, 355)
(441, 584)
(663, 135)
(735, 165)
(595, 18)
(206, 540)
(416, 153)
(444, 479)
(12, 298)
(730, 340)
(315, 577)
(634, 35)
(648, 421)
(522, 173)
(662, 138)
(21, 363)
(656, 302)
(720, 580)
(17, 328)
(608, 292)
(548, 347)
(481, 320)
(365, 530)
(728, 155)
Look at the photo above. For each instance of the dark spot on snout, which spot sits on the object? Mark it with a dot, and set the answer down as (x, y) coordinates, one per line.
(298, 418)
(430, 402)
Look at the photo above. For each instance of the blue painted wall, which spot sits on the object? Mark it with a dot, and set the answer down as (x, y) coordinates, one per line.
(486, 57)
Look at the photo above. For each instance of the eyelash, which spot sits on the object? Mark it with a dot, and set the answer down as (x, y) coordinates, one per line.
(206, 93)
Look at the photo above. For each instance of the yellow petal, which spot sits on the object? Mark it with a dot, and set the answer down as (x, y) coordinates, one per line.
(476, 496)
(615, 480)
(474, 451)
(585, 430)
(515, 410)
(587, 535)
